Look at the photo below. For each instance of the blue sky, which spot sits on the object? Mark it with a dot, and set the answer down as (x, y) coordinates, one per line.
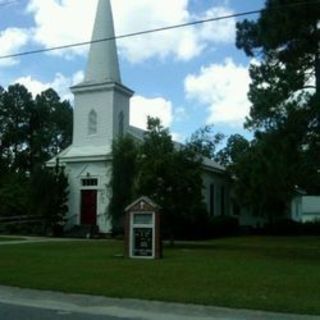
(188, 77)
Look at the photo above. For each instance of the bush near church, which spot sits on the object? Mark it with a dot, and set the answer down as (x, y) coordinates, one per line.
(168, 175)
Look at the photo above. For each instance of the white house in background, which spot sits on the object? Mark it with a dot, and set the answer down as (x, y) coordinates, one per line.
(101, 114)
(305, 208)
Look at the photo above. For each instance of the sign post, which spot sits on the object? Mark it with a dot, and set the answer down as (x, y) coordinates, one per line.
(142, 230)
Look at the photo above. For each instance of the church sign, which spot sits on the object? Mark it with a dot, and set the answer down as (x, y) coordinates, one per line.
(143, 230)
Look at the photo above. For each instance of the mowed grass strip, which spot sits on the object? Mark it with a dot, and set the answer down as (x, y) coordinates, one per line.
(3, 238)
(277, 274)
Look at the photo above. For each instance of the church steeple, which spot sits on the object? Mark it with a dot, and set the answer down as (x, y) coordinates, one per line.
(101, 101)
(103, 64)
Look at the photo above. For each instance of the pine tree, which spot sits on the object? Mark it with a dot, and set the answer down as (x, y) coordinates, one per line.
(285, 111)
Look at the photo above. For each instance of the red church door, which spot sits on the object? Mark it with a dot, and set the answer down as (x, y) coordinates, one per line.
(89, 207)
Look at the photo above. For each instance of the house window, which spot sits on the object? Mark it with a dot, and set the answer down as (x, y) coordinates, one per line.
(92, 123)
(222, 195)
(89, 182)
(212, 199)
(121, 124)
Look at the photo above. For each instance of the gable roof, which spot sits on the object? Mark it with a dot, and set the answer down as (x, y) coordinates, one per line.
(145, 199)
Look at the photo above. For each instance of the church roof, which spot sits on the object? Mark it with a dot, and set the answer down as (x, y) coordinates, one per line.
(104, 152)
(136, 133)
(212, 165)
(208, 164)
(103, 64)
(82, 153)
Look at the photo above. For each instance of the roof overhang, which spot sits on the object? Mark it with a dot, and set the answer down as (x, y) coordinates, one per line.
(88, 86)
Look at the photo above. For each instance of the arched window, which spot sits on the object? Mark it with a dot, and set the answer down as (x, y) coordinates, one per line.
(121, 124)
(92, 123)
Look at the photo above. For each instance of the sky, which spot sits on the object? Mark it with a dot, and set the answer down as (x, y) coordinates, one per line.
(189, 77)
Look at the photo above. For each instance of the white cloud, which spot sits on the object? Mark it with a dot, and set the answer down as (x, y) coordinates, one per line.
(11, 40)
(182, 43)
(141, 108)
(63, 22)
(223, 89)
(68, 21)
(180, 114)
(221, 31)
(34, 86)
(177, 137)
(60, 84)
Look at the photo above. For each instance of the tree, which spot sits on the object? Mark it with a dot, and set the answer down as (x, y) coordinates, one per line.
(265, 175)
(287, 34)
(285, 109)
(286, 79)
(172, 177)
(15, 195)
(123, 173)
(53, 121)
(237, 146)
(32, 130)
(52, 206)
(204, 142)
(169, 175)
(15, 113)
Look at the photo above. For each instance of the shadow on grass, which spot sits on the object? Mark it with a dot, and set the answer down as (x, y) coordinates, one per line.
(270, 249)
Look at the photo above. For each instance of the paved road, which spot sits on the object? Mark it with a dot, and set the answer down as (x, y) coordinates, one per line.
(14, 312)
(26, 304)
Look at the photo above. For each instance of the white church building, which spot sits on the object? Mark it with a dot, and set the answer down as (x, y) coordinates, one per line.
(101, 114)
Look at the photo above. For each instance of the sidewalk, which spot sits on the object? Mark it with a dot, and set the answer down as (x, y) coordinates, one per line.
(131, 309)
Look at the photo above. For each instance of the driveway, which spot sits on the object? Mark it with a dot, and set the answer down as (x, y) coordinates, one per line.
(46, 305)
(10, 312)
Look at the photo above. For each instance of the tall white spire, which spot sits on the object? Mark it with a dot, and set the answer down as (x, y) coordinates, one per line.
(103, 64)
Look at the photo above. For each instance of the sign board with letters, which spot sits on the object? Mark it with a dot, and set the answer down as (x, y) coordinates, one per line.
(142, 230)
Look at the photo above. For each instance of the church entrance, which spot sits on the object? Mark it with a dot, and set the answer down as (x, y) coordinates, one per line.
(89, 207)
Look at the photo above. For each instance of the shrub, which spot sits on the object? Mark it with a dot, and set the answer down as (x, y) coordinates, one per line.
(224, 226)
(284, 227)
(14, 195)
(288, 227)
(311, 228)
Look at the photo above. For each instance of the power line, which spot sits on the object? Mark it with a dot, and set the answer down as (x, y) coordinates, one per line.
(128, 35)
(139, 33)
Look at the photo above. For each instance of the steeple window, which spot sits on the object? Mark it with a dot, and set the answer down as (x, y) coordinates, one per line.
(92, 123)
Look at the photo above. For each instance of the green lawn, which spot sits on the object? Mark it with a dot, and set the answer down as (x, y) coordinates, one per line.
(9, 239)
(279, 274)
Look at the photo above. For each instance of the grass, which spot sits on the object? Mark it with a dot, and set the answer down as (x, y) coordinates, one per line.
(9, 239)
(277, 274)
